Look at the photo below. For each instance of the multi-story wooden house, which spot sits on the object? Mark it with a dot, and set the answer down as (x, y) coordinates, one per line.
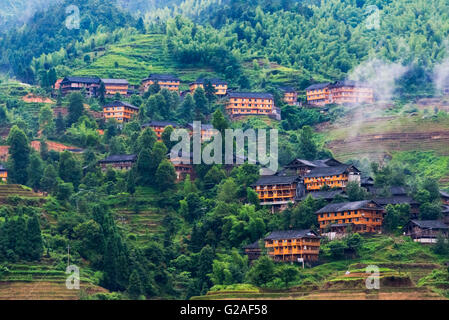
(159, 127)
(77, 84)
(113, 86)
(250, 103)
(293, 246)
(3, 174)
(276, 191)
(119, 162)
(183, 167)
(207, 131)
(120, 111)
(333, 177)
(340, 92)
(351, 92)
(253, 251)
(301, 167)
(318, 94)
(221, 86)
(165, 81)
(426, 231)
(363, 216)
(290, 95)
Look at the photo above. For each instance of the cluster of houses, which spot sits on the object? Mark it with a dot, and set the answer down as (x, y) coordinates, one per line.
(303, 178)
(237, 104)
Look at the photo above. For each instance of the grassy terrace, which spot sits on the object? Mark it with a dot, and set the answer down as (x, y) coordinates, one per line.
(139, 57)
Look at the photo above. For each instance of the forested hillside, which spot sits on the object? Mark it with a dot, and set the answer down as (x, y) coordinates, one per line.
(146, 233)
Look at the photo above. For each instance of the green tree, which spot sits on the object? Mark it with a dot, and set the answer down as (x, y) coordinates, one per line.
(262, 271)
(165, 175)
(307, 146)
(76, 108)
(49, 181)
(70, 169)
(19, 156)
(135, 288)
(35, 172)
(287, 274)
(34, 238)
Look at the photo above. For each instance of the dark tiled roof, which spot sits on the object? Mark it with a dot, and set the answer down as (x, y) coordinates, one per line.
(287, 89)
(203, 126)
(251, 95)
(444, 194)
(318, 86)
(346, 206)
(367, 181)
(429, 224)
(161, 77)
(115, 81)
(119, 158)
(445, 209)
(254, 245)
(212, 81)
(291, 234)
(91, 80)
(395, 200)
(348, 83)
(327, 195)
(160, 124)
(272, 180)
(329, 171)
(120, 104)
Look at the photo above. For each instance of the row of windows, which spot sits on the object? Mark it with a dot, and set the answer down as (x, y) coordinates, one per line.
(353, 220)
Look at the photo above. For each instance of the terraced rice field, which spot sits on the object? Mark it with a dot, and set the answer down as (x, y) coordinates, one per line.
(42, 282)
(138, 58)
(8, 190)
(142, 225)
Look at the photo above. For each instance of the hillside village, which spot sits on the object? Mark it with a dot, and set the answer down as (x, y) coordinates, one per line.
(326, 179)
(87, 178)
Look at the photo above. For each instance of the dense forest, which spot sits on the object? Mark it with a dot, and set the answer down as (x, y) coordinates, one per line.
(325, 40)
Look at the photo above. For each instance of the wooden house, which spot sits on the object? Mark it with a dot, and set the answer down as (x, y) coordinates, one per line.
(159, 127)
(350, 92)
(339, 92)
(318, 94)
(183, 166)
(165, 81)
(364, 216)
(119, 162)
(426, 231)
(221, 87)
(293, 245)
(77, 84)
(301, 166)
(120, 111)
(253, 251)
(290, 96)
(207, 131)
(3, 174)
(113, 86)
(333, 177)
(276, 191)
(250, 103)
